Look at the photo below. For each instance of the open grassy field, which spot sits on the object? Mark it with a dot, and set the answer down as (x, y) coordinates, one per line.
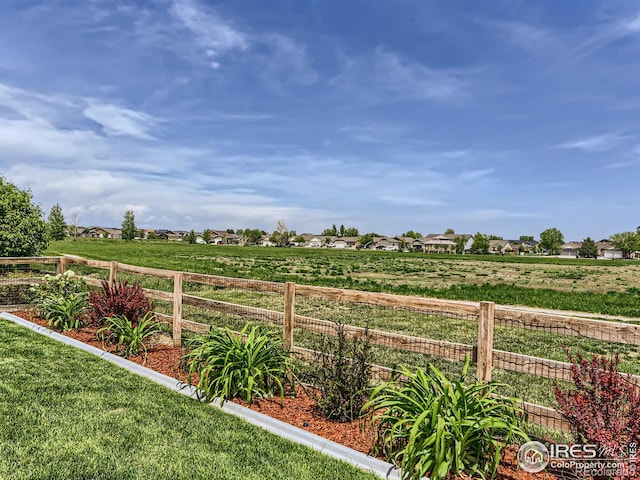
(598, 286)
(69, 415)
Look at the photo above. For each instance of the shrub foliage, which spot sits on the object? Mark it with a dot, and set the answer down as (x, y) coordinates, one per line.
(121, 300)
(429, 424)
(342, 375)
(603, 408)
(129, 338)
(61, 300)
(227, 365)
(23, 232)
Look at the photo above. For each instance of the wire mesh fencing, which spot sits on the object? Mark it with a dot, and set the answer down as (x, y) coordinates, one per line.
(398, 335)
(533, 353)
(16, 277)
(221, 302)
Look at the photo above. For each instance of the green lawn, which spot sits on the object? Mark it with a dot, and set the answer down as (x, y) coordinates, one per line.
(68, 415)
(606, 287)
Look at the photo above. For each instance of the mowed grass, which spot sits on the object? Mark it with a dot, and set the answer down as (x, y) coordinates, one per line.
(597, 286)
(68, 415)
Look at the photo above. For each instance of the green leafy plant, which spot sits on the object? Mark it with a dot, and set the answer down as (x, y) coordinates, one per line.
(342, 375)
(129, 338)
(64, 313)
(246, 365)
(429, 424)
(61, 300)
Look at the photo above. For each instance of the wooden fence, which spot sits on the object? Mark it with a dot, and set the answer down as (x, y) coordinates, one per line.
(483, 353)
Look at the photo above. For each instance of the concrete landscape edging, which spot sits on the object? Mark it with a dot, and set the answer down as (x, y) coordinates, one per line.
(297, 435)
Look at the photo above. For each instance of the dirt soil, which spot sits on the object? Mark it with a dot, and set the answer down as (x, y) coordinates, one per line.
(299, 409)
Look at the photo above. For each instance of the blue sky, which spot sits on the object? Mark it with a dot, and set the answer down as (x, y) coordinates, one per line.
(500, 117)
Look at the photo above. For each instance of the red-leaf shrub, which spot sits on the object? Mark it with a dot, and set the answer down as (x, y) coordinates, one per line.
(122, 299)
(604, 407)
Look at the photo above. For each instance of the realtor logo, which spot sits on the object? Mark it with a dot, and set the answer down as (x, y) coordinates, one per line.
(533, 457)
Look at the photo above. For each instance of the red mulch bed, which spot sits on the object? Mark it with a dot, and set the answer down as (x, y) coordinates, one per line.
(299, 410)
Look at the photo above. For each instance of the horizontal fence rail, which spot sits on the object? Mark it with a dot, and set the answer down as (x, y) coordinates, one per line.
(488, 317)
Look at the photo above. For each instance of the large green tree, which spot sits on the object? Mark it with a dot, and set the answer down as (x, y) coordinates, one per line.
(588, 249)
(412, 234)
(191, 237)
(23, 232)
(367, 239)
(628, 242)
(251, 236)
(129, 226)
(330, 232)
(551, 239)
(56, 223)
(460, 242)
(480, 243)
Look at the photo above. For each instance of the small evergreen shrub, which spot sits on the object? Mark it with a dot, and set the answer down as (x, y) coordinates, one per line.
(122, 300)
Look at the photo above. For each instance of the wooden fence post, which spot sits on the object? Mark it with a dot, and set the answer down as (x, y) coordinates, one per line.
(486, 322)
(61, 266)
(177, 309)
(113, 268)
(289, 314)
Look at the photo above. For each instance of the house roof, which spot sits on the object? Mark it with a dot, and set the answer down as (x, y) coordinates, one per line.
(498, 243)
(347, 239)
(570, 245)
(440, 241)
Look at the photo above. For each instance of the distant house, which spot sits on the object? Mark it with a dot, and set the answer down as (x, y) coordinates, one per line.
(265, 242)
(439, 244)
(102, 232)
(570, 249)
(527, 246)
(222, 237)
(501, 247)
(607, 250)
(316, 242)
(163, 234)
(410, 243)
(416, 245)
(346, 242)
(386, 243)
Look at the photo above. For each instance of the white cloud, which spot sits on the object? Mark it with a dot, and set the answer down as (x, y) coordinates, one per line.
(596, 143)
(412, 201)
(407, 78)
(32, 138)
(210, 31)
(390, 75)
(287, 60)
(116, 120)
(373, 132)
(633, 24)
(521, 35)
(608, 33)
